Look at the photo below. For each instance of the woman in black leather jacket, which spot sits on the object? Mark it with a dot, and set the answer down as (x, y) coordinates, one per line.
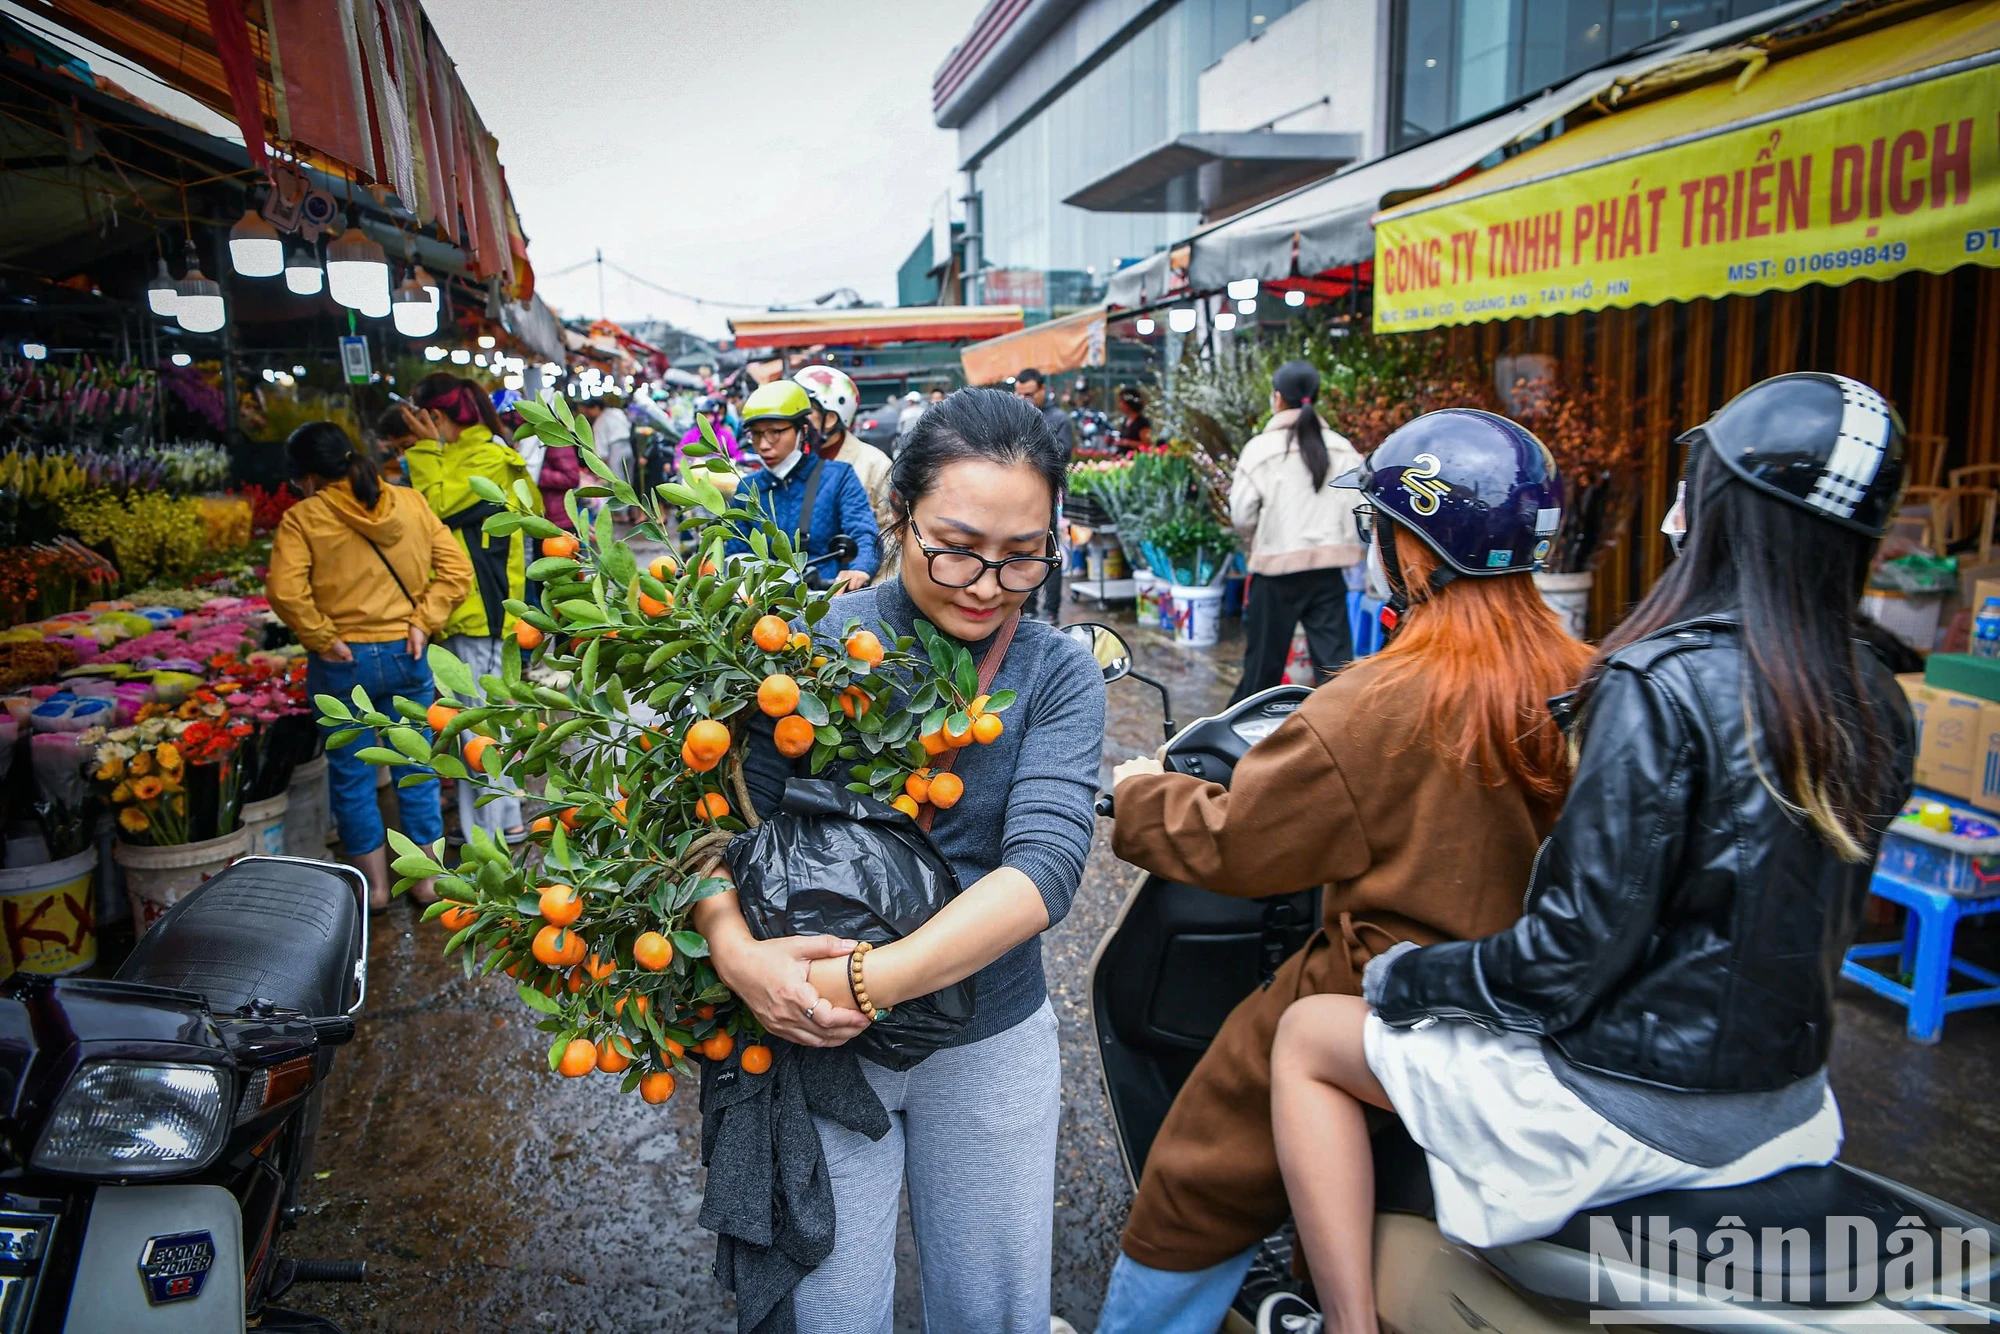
(1661, 1014)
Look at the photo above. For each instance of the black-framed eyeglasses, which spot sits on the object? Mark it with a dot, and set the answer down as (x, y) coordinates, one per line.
(1364, 523)
(955, 567)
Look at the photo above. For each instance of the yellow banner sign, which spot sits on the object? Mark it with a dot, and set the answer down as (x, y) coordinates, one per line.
(1894, 182)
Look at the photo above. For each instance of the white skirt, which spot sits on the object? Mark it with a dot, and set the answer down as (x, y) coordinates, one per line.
(1513, 1153)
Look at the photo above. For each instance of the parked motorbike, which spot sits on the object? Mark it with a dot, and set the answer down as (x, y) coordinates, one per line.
(155, 1127)
(1824, 1239)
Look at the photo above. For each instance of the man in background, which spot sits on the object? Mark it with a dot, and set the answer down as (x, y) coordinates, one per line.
(1032, 385)
(1045, 603)
(611, 436)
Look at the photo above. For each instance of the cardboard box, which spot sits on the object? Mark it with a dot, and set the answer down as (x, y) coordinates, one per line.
(1951, 738)
(1964, 674)
(1985, 791)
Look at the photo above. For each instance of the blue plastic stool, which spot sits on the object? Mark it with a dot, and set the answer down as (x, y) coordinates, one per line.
(1364, 625)
(1924, 955)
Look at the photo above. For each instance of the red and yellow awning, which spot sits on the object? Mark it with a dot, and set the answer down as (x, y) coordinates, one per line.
(1868, 158)
(868, 327)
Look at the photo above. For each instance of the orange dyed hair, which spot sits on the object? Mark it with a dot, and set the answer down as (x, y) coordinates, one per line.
(1484, 657)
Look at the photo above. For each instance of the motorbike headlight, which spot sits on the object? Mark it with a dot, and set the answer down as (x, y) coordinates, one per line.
(135, 1119)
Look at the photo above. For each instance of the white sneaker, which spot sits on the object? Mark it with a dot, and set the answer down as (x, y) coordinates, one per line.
(1058, 1325)
(1288, 1313)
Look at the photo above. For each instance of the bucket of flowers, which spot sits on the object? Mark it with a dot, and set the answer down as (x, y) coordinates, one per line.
(639, 755)
(173, 785)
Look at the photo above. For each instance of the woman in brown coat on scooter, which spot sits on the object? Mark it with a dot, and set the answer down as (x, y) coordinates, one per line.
(1416, 786)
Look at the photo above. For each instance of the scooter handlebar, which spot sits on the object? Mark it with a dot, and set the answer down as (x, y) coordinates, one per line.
(1103, 804)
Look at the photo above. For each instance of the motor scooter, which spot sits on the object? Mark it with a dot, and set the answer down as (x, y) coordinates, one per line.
(155, 1127)
(1819, 1245)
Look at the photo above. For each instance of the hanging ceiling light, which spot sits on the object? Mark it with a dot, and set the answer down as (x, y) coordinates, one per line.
(415, 313)
(181, 359)
(460, 357)
(1247, 306)
(486, 340)
(1146, 326)
(434, 354)
(357, 272)
(199, 306)
(1295, 297)
(1225, 321)
(161, 293)
(1181, 319)
(254, 247)
(1243, 289)
(197, 298)
(303, 274)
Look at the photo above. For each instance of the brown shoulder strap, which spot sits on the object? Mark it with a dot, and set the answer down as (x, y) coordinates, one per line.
(989, 671)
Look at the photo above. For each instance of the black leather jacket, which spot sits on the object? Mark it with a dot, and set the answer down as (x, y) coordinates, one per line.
(1681, 928)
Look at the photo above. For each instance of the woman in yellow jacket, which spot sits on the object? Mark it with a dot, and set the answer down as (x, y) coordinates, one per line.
(365, 575)
(459, 437)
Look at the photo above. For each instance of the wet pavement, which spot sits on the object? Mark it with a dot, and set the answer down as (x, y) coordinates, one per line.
(487, 1194)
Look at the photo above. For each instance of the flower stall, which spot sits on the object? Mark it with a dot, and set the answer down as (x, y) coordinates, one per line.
(154, 719)
(1168, 505)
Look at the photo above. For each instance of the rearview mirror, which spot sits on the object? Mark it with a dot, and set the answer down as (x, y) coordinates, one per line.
(1105, 645)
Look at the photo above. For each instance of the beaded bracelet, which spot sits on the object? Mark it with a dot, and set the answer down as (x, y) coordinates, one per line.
(857, 986)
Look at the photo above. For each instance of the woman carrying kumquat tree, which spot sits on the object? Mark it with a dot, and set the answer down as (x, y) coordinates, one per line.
(973, 1131)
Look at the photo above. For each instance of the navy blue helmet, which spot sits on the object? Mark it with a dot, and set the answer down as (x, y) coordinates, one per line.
(1479, 490)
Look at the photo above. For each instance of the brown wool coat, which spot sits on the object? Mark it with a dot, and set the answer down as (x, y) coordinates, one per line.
(1411, 845)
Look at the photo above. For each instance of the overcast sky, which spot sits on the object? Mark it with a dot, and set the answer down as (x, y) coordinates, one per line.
(742, 150)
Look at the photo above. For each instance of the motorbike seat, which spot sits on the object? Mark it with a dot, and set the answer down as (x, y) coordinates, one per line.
(278, 929)
(1803, 1201)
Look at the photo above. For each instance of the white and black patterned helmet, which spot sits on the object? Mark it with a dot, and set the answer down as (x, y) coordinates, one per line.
(1825, 443)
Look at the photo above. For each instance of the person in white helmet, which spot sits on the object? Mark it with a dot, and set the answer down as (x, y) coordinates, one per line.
(836, 400)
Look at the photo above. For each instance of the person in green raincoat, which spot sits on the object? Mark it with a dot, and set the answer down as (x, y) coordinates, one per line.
(459, 437)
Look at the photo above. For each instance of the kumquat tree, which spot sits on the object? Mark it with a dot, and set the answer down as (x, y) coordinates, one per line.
(636, 743)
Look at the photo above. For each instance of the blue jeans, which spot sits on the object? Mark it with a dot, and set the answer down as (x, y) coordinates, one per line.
(385, 670)
(1143, 1300)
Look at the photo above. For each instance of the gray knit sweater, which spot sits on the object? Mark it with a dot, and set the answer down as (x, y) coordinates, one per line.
(1028, 796)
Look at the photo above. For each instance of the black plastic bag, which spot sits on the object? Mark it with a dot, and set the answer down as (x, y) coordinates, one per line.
(833, 862)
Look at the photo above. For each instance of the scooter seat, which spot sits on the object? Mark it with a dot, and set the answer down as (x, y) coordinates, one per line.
(1841, 1217)
(281, 930)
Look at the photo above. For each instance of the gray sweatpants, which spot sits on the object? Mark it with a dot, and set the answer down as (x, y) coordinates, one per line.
(973, 1132)
(495, 817)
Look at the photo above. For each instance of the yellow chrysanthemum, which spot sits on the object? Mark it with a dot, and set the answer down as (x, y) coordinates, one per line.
(169, 756)
(145, 789)
(121, 794)
(133, 820)
(111, 770)
(142, 764)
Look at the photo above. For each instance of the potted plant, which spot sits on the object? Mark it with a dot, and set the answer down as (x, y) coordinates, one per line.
(1595, 452)
(639, 753)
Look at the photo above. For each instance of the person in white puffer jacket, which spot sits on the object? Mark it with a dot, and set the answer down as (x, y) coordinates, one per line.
(1301, 532)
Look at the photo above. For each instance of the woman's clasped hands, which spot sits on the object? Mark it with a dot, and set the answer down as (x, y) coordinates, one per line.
(772, 977)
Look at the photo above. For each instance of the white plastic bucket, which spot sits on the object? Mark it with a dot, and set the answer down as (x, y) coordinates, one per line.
(1568, 596)
(158, 878)
(1197, 614)
(307, 817)
(1149, 594)
(48, 917)
(266, 822)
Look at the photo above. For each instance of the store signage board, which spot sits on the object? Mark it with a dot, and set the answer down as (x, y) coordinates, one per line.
(354, 359)
(1903, 180)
